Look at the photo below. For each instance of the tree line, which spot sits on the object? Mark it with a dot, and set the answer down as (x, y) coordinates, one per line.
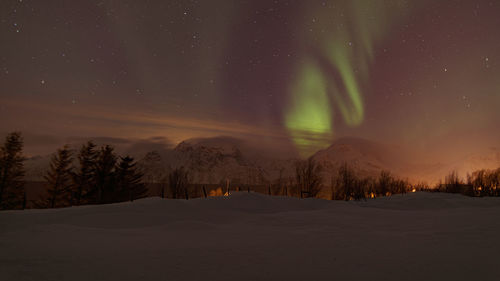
(478, 184)
(91, 175)
(346, 184)
(97, 175)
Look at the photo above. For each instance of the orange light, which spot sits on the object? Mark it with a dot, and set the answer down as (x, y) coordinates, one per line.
(217, 192)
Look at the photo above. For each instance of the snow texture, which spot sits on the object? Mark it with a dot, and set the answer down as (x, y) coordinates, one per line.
(421, 236)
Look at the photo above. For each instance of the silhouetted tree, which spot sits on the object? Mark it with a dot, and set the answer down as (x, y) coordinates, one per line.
(151, 167)
(105, 175)
(384, 184)
(155, 172)
(370, 188)
(479, 183)
(333, 189)
(129, 180)
(485, 182)
(400, 186)
(12, 172)
(491, 182)
(84, 177)
(452, 183)
(178, 182)
(308, 177)
(496, 182)
(421, 186)
(360, 186)
(58, 179)
(438, 187)
(346, 182)
(468, 189)
(164, 183)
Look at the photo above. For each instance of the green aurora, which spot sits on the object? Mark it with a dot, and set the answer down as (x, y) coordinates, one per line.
(346, 43)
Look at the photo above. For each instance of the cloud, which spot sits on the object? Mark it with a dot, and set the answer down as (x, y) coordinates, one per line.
(127, 123)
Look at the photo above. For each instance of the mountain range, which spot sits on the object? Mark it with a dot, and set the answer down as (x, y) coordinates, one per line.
(216, 160)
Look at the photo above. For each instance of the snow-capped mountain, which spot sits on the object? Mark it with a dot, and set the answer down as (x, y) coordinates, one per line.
(366, 157)
(215, 160)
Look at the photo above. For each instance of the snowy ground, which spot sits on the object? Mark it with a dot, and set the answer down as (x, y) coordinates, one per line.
(420, 236)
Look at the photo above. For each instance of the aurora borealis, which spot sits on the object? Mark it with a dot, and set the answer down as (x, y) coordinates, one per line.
(346, 50)
(289, 74)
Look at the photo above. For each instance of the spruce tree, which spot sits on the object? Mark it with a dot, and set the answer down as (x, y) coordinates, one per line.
(105, 175)
(59, 184)
(84, 177)
(12, 172)
(129, 180)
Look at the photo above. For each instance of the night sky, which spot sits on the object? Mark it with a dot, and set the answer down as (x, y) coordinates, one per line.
(420, 74)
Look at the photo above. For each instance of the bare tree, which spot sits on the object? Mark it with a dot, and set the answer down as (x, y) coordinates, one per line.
(346, 182)
(401, 186)
(360, 186)
(178, 182)
(308, 177)
(155, 171)
(453, 183)
(384, 184)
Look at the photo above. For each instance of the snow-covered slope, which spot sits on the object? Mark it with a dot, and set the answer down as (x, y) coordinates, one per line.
(215, 160)
(369, 158)
(420, 236)
(366, 157)
(360, 154)
(36, 167)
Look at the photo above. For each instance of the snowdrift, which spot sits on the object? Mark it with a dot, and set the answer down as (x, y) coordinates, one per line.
(247, 236)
